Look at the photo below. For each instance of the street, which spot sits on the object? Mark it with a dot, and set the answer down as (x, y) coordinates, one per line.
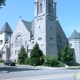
(37, 73)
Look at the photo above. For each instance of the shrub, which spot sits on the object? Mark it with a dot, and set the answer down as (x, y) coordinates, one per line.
(60, 64)
(36, 56)
(52, 61)
(2, 61)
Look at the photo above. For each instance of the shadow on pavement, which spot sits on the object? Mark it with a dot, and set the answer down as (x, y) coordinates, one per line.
(17, 69)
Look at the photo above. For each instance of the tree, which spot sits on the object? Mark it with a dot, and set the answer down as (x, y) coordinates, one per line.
(22, 56)
(36, 56)
(66, 54)
(2, 2)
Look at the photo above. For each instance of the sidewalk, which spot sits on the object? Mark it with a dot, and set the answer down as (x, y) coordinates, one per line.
(45, 67)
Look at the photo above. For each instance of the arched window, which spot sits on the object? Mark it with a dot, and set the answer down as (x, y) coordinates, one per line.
(18, 41)
(59, 42)
(49, 9)
(41, 8)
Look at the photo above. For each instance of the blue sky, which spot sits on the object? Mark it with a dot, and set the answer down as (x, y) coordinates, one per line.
(68, 13)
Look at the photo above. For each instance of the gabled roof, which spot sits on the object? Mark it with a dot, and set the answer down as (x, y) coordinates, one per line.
(27, 24)
(6, 28)
(75, 35)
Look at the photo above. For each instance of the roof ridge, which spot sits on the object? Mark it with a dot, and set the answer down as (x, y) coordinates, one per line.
(26, 21)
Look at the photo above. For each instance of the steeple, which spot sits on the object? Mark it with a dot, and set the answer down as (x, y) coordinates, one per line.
(45, 25)
(47, 7)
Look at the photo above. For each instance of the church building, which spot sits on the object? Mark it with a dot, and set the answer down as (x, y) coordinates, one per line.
(44, 29)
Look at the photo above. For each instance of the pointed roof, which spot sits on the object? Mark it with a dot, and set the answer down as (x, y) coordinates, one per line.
(75, 35)
(27, 24)
(6, 28)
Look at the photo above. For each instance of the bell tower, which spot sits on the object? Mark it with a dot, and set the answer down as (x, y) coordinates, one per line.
(45, 25)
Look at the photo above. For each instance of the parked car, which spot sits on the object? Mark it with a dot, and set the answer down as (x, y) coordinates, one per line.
(9, 63)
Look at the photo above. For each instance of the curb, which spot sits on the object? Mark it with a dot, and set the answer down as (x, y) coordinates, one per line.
(44, 67)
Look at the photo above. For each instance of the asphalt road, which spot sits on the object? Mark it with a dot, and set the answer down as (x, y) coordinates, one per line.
(37, 73)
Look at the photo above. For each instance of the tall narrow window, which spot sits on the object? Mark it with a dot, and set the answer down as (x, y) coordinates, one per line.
(49, 8)
(38, 9)
(41, 8)
(59, 42)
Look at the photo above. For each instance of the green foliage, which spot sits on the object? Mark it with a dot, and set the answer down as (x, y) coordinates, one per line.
(36, 56)
(2, 2)
(52, 61)
(27, 61)
(67, 54)
(22, 56)
(2, 61)
(60, 64)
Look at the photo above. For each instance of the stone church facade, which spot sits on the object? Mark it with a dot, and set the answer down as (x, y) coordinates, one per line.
(44, 29)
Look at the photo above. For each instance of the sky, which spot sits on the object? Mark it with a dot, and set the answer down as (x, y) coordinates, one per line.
(68, 13)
